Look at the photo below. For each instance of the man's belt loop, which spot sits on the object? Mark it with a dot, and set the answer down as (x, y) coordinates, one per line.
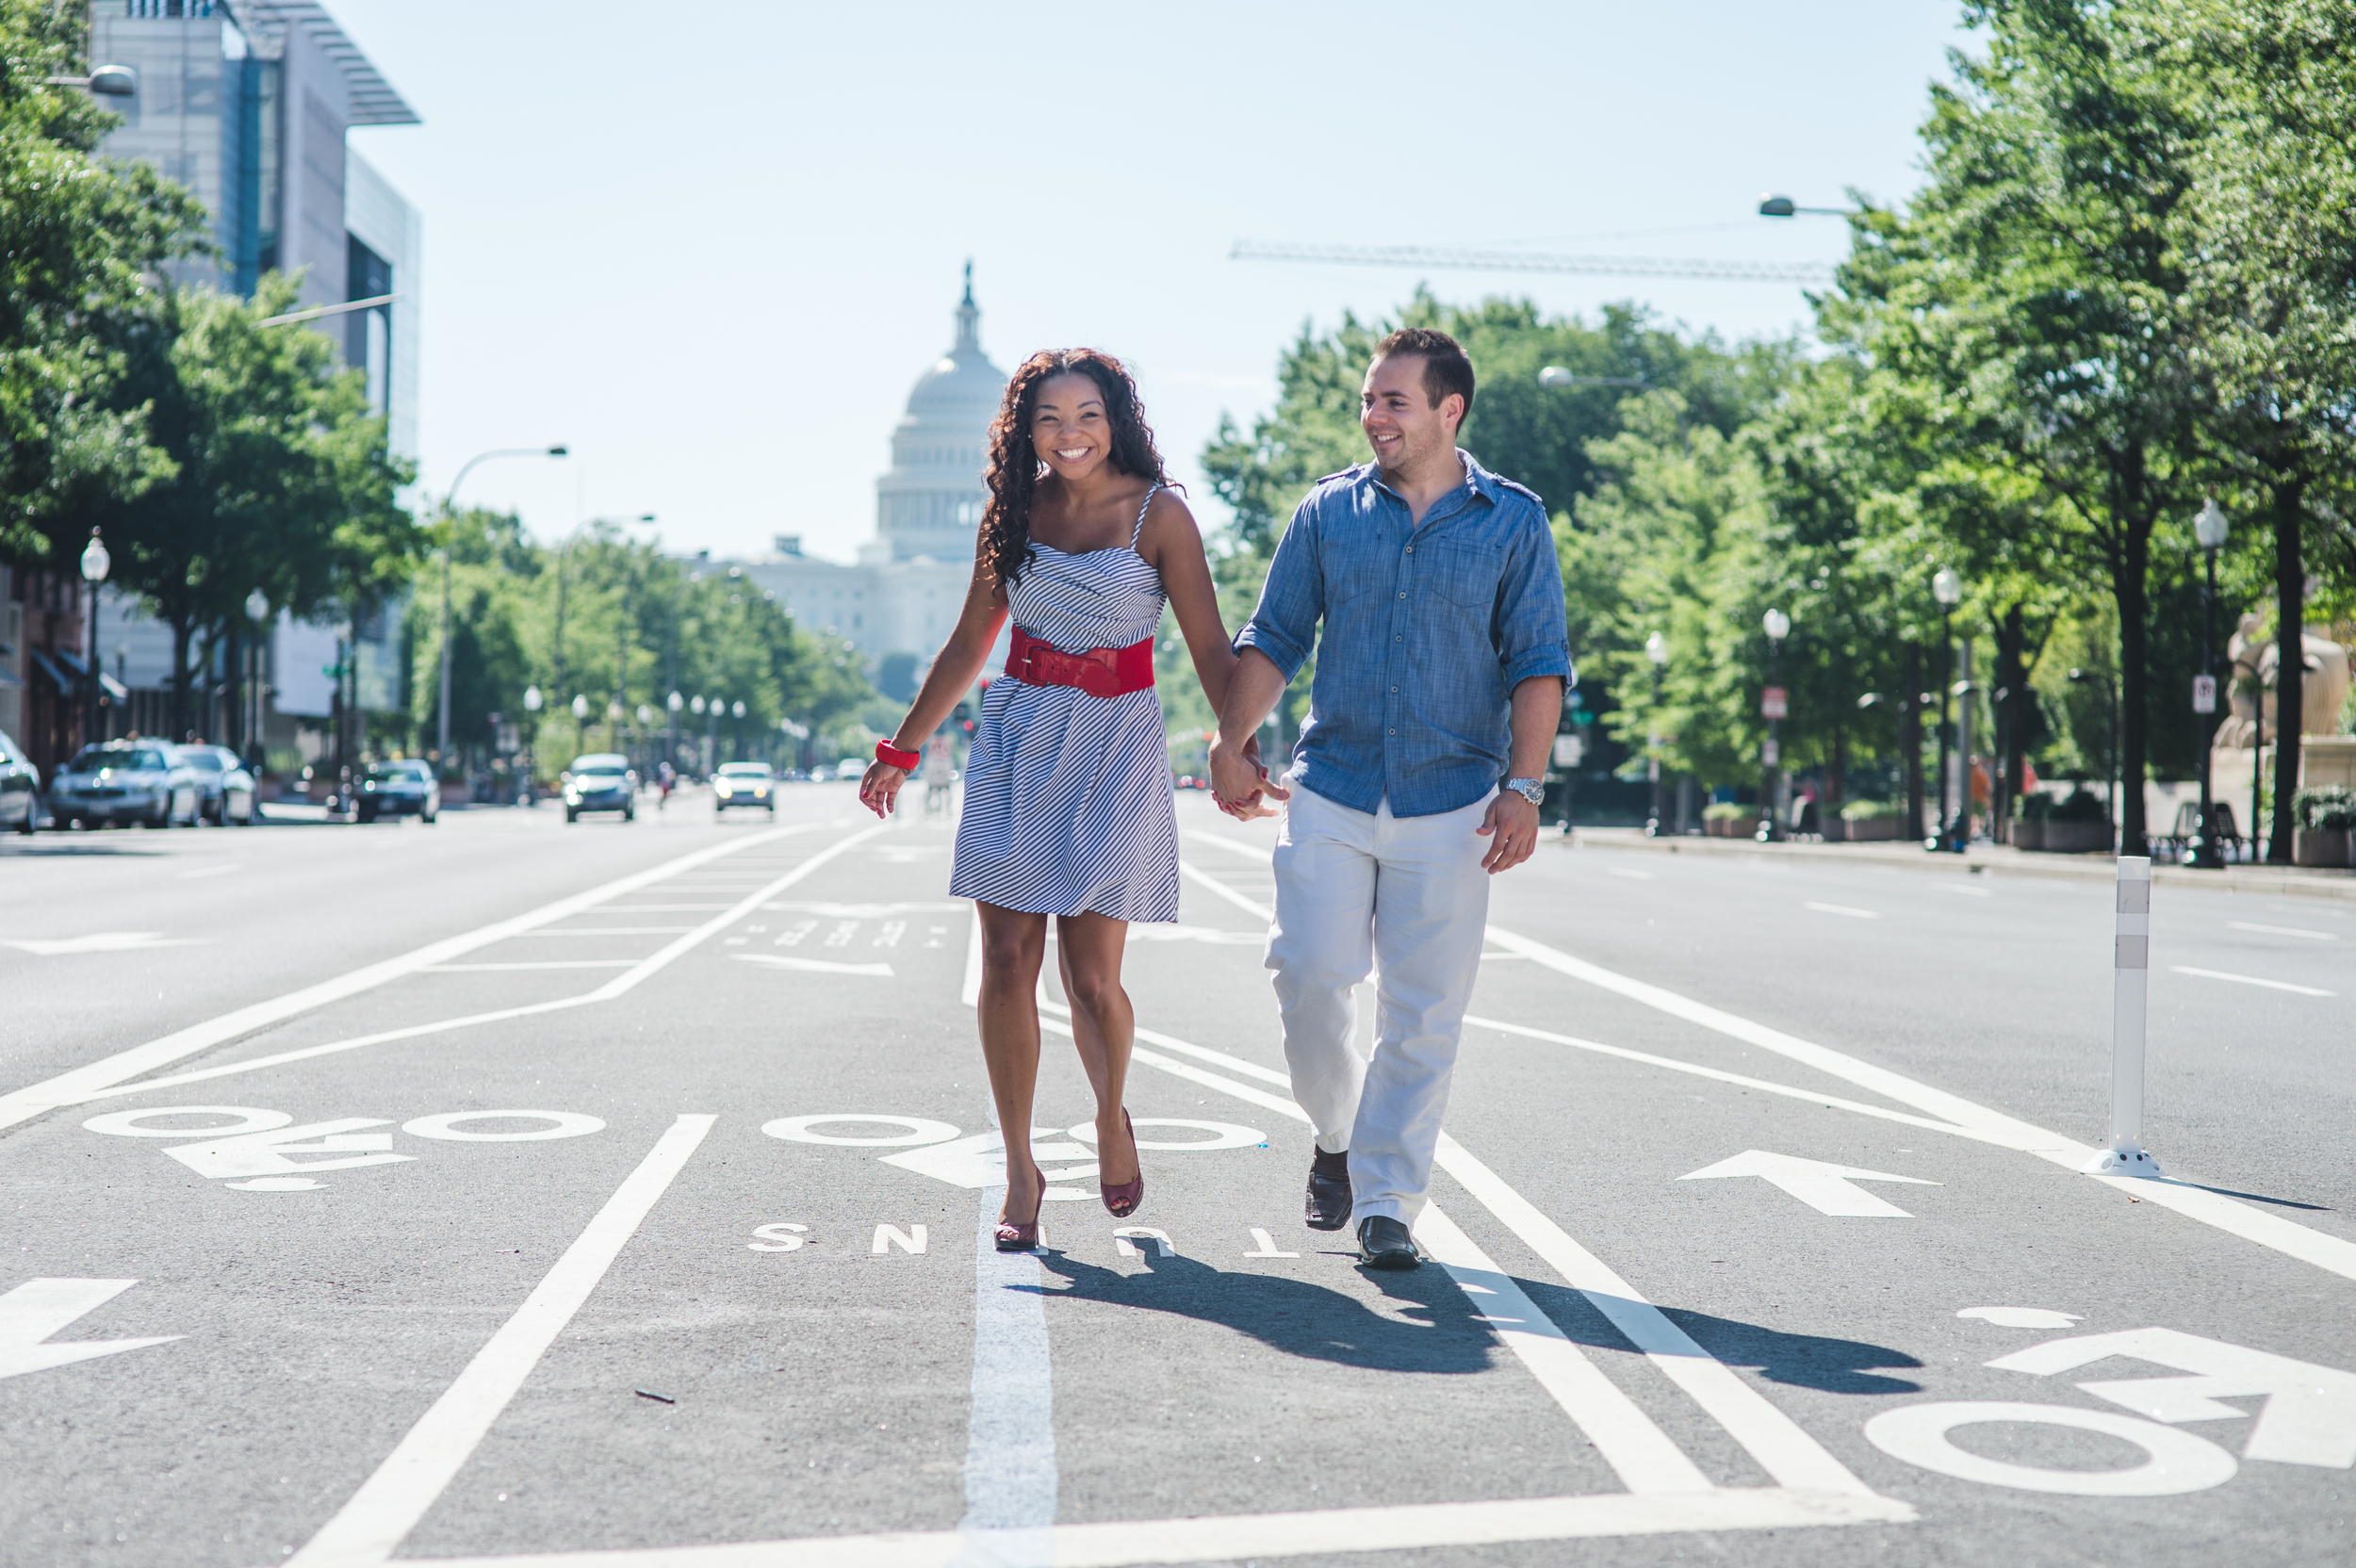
(1098, 672)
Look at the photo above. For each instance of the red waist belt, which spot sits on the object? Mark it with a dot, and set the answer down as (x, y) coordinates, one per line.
(1098, 672)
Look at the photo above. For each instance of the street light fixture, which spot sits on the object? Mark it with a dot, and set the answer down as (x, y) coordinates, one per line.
(107, 81)
(1656, 651)
(1947, 588)
(1783, 206)
(581, 709)
(95, 563)
(1771, 704)
(450, 504)
(2210, 530)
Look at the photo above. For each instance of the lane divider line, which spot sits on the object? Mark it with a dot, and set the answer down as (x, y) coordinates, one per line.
(389, 1504)
(73, 1087)
(621, 984)
(1782, 1447)
(2247, 980)
(1010, 1474)
(1246, 1537)
(1954, 1113)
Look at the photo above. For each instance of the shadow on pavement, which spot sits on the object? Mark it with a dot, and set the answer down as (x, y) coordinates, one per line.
(1296, 1317)
(1803, 1361)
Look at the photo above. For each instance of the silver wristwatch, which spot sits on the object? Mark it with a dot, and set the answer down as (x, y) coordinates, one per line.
(1530, 789)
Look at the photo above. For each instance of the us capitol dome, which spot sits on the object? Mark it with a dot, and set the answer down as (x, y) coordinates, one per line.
(904, 595)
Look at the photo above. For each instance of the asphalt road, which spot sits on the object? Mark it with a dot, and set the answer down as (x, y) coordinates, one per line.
(506, 1192)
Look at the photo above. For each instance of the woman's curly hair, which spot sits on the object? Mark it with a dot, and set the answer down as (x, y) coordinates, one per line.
(1015, 467)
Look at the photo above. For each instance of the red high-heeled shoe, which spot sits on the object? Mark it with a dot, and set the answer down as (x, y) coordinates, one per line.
(1011, 1237)
(1122, 1200)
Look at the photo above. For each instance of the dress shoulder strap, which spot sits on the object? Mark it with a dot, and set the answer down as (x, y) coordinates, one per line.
(1139, 527)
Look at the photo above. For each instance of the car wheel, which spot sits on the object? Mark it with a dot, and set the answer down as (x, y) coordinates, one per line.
(426, 817)
(571, 815)
(367, 814)
(630, 815)
(25, 827)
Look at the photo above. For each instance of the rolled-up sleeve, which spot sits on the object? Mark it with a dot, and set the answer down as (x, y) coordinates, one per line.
(1533, 630)
(1285, 626)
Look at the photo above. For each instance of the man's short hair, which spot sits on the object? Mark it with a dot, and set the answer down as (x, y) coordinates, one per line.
(1445, 369)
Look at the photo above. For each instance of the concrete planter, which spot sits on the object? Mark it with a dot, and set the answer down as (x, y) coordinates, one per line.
(2322, 846)
(2075, 838)
(1865, 830)
(2027, 835)
(1729, 828)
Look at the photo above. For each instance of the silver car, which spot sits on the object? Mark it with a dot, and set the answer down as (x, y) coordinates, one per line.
(20, 787)
(140, 781)
(601, 781)
(225, 786)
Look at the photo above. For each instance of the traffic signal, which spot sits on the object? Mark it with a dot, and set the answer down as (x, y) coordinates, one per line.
(964, 717)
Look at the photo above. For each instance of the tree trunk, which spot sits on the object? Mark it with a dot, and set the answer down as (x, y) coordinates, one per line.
(1910, 739)
(2290, 666)
(2012, 700)
(1834, 792)
(182, 635)
(232, 688)
(2131, 591)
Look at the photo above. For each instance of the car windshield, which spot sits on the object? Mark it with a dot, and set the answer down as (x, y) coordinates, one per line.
(91, 759)
(396, 772)
(745, 770)
(602, 772)
(204, 761)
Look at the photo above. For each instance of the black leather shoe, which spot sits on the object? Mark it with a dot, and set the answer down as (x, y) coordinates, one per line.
(1384, 1243)
(1328, 1201)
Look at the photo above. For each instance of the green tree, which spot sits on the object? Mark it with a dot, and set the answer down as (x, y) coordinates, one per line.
(78, 239)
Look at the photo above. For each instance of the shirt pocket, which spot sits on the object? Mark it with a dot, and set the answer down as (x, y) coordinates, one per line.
(1356, 568)
(1465, 574)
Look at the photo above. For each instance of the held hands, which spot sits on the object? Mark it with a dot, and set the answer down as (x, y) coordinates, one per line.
(880, 788)
(1515, 823)
(1239, 780)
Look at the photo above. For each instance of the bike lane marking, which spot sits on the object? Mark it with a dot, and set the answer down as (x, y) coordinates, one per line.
(639, 971)
(78, 1084)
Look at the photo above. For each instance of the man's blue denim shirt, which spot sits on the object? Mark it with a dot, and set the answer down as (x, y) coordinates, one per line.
(1428, 630)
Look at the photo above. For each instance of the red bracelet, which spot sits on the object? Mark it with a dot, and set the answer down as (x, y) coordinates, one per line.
(892, 755)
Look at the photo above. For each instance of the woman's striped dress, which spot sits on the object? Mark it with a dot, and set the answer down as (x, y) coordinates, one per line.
(1066, 795)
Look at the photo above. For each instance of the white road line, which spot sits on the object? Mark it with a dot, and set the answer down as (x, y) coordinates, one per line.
(655, 909)
(1841, 909)
(2283, 931)
(1010, 1476)
(1781, 1446)
(369, 1527)
(1952, 1111)
(2229, 1214)
(1961, 890)
(552, 963)
(620, 984)
(73, 1087)
(2248, 980)
(611, 931)
(1246, 1537)
(1640, 1453)
(969, 992)
(1212, 885)
(811, 966)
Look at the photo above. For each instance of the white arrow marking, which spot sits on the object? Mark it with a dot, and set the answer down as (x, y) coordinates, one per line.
(1822, 1186)
(39, 1308)
(2310, 1411)
(980, 1162)
(265, 1154)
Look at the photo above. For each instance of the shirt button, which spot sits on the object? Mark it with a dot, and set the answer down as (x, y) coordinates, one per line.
(1411, 549)
(1392, 732)
(1403, 595)
(1399, 639)
(1393, 688)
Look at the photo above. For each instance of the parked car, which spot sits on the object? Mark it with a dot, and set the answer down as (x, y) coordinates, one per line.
(20, 787)
(142, 781)
(744, 784)
(792, 776)
(852, 767)
(600, 781)
(403, 787)
(225, 786)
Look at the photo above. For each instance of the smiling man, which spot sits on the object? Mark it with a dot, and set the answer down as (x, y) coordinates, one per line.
(1440, 666)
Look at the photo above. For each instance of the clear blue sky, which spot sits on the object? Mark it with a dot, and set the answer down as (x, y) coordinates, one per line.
(712, 246)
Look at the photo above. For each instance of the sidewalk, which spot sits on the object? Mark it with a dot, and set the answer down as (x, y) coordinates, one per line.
(1984, 858)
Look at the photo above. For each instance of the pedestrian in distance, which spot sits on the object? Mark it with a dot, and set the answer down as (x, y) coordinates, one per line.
(1068, 802)
(940, 776)
(1430, 591)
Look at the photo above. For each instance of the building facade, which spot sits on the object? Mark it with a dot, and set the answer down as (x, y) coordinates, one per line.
(246, 103)
(903, 595)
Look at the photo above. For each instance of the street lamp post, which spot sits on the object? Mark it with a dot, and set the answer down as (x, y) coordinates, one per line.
(2210, 530)
(450, 504)
(1772, 703)
(249, 668)
(672, 704)
(96, 561)
(1947, 589)
(712, 732)
(1656, 651)
(532, 701)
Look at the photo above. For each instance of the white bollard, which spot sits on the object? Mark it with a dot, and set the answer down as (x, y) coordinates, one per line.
(2131, 967)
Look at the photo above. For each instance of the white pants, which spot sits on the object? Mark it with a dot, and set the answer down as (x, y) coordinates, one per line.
(1405, 897)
